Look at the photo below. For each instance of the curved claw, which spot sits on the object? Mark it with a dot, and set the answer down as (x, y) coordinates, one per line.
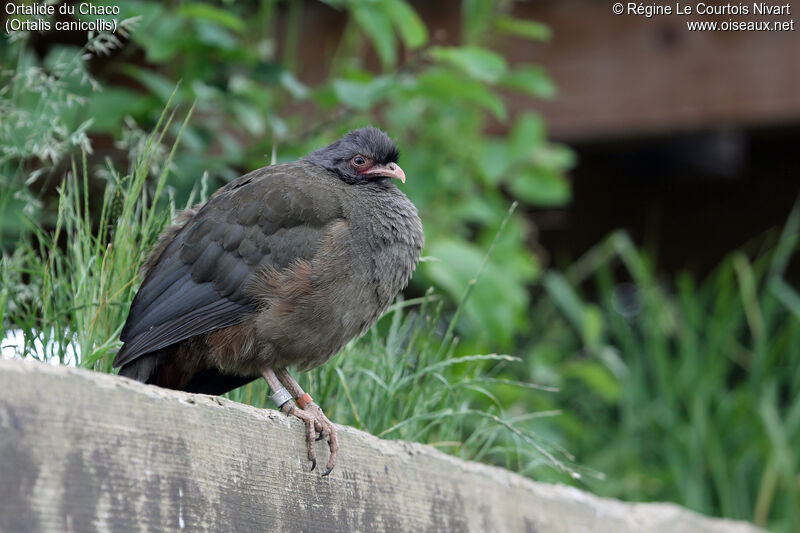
(317, 428)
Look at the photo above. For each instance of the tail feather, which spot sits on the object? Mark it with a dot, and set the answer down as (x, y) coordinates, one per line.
(141, 369)
(173, 368)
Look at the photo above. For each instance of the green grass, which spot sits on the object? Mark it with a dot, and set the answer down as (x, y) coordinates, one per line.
(685, 391)
(68, 288)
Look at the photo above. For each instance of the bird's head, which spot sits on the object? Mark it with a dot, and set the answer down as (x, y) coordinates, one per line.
(363, 155)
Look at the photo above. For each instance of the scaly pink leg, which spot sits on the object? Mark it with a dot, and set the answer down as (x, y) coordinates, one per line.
(309, 412)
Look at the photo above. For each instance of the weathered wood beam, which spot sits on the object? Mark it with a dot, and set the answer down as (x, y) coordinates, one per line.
(82, 451)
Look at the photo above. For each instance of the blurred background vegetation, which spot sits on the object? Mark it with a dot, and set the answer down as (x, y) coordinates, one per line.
(625, 376)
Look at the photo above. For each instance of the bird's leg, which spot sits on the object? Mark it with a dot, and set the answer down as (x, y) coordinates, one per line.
(319, 422)
(283, 399)
(309, 412)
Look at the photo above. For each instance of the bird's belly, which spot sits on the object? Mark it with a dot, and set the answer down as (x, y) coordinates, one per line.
(315, 307)
(343, 310)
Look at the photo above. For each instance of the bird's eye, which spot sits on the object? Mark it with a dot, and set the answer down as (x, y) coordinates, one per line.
(359, 161)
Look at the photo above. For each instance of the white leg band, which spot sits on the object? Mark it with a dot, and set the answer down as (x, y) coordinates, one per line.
(281, 396)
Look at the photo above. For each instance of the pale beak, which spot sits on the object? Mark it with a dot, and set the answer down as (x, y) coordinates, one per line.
(390, 170)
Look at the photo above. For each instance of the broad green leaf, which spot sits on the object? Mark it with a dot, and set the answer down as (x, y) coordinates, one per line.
(494, 160)
(216, 36)
(378, 26)
(476, 19)
(295, 87)
(475, 61)
(325, 96)
(112, 104)
(250, 117)
(162, 37)
(528, 133)
(446, 87)
(459, 263)
(527, 29)
(361, 95)
(553, 156)
(279, 127)
(157, 84)
(530, 80)
(539, 186)
(476, 209)
(407, 22)
(212, 14)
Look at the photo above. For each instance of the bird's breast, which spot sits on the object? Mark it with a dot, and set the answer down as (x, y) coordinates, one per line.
(363, 261)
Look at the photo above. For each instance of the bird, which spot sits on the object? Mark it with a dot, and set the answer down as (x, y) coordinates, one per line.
(279, 269)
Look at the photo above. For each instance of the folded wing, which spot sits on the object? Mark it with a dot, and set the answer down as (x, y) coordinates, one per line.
(268, 218)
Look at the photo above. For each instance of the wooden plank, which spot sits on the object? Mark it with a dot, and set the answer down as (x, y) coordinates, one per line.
(81, 451)
(626, 76)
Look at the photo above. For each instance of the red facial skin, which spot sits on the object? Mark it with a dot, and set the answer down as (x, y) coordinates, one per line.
(367, 167)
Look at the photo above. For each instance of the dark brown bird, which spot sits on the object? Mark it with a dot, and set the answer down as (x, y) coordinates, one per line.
(280, 268)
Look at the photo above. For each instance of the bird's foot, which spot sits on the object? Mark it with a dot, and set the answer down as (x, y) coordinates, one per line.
(317, 427)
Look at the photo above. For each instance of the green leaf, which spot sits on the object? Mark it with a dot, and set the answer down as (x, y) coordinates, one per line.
(378, 27)
(476, 209)
(476, 16)
(162, 38)
(494, 160)
(295, 87)
(593, 325)
(458, 264)
(407, 22)
(540, 186)
(446, 87)
(587, 319)
(527, 29)
(553, 156)
(215, 36)
(475, 61)
(249, 117)
(565, 297)
(597, 378)
(361, 95)
(110, 106)
(530, 80)
(157, 84)
(528, 133)
(326, 97)
(212, 14)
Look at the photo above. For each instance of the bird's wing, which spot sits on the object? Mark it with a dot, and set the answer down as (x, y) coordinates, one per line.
(268, 218)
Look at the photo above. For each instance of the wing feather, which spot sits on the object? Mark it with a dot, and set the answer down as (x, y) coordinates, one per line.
(268, 218)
